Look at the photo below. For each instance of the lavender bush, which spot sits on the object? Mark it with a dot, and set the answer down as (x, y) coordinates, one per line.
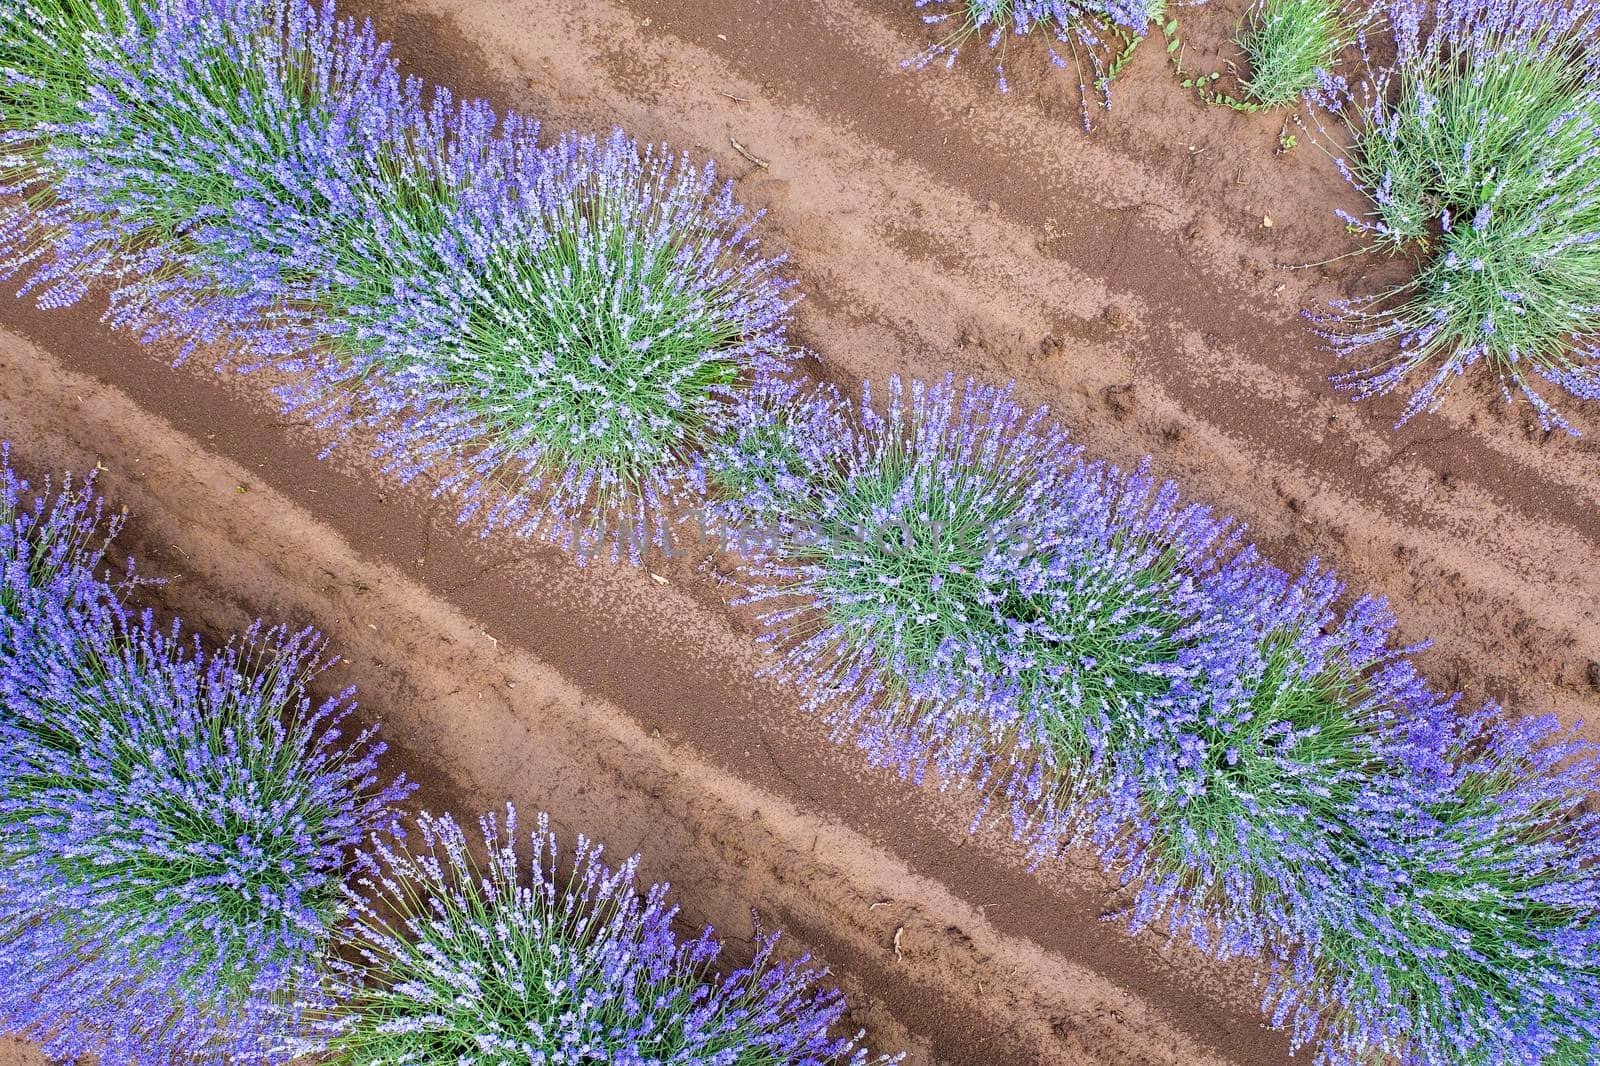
(1104, 31)
(173, 831)
(954, 583)
(583, 340)
(173, 823)
(1474, 936)
(553, 332)
(451, 959)
(890, 546)
(1478, 149)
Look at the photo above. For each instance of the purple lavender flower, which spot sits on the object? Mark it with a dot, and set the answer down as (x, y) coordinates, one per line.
(173, 829)
(1474, 933)
(1106, 31)
(52, 547)
(447, 960)
(1478, 149)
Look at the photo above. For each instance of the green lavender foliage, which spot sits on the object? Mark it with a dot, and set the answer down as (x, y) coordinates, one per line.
(1477, 151)
(52, 45)
(1287, 43)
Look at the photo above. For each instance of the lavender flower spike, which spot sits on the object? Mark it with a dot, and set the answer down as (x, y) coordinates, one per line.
(53, 543)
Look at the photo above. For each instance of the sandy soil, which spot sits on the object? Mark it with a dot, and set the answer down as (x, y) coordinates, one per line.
(1126, 277)
(15, 1051)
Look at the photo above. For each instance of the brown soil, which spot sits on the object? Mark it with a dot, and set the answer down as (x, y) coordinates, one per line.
(1125, 277)
(14, 1051)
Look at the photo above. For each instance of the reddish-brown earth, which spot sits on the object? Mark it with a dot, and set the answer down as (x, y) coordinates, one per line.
(1126, 277)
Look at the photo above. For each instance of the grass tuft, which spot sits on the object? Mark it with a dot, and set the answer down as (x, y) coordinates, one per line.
(1288, 43)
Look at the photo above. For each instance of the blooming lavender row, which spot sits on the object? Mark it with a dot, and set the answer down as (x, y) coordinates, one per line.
(552, 333)
(1477, 149)
(959, 590)
(952, 580)
(175, 832)
(550, 329)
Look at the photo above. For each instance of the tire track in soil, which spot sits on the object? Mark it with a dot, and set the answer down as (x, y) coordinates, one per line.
(623, 707)
(1122, 277)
